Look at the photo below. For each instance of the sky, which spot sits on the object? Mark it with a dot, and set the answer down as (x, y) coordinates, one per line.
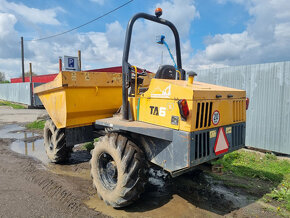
(213, 33)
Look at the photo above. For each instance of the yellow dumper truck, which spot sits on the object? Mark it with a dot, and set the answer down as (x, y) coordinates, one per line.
(175, 123)
(74, 100)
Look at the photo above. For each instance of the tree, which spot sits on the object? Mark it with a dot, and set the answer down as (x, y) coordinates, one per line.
(2, 77)
(28, 74)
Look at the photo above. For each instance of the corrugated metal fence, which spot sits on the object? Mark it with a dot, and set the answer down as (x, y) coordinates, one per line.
(18, 92)
(268, 87)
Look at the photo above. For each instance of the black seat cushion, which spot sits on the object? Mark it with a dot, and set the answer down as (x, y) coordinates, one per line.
(166, 72)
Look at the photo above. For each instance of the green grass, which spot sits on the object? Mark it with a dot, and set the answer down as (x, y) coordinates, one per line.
(254, 165)
(278, 211)
(265, 167)
(90, 145)
(281, 193)
(38, 124)
(13, 105)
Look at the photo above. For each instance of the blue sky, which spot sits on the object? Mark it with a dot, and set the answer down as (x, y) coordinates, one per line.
(214, 17)
(214, 33)
(217, 18)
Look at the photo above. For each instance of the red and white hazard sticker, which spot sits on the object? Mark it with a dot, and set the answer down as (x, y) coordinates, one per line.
(221, 143)
(215, 117)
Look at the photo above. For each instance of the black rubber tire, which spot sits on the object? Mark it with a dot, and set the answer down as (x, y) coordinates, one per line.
(55, 144)
(130, 164)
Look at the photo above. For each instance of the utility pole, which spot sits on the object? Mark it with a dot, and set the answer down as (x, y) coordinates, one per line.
(22, 57)
(80, 60)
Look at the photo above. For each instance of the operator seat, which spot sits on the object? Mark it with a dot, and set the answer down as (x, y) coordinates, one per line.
(166, 72)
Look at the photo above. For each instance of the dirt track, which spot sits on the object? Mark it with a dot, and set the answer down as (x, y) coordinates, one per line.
(28, 189)
(33, 188)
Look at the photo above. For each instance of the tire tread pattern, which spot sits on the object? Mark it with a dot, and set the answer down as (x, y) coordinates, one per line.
(132, 179)
(60, 153)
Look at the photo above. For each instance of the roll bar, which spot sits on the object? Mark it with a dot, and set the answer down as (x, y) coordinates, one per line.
(126, 71)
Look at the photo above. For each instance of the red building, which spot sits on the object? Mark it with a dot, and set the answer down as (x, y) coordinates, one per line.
(49, 77)
(36, 79)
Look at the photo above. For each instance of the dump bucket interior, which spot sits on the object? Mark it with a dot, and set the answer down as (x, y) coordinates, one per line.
(78, 98)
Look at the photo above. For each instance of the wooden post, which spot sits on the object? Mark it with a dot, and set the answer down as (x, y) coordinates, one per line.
(31, 85)
(60, 64)
(80, 60)
(22, 59)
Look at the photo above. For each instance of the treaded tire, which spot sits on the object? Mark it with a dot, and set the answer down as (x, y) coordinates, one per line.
(130, 164)
(55, 144)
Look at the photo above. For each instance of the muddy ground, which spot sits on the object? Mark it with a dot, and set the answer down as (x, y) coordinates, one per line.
(30, 186)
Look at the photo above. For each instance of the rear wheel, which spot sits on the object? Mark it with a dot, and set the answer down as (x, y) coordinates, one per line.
(55, 144)
(118, 170)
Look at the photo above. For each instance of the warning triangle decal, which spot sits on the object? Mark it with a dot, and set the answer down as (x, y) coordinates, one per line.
(221, 143)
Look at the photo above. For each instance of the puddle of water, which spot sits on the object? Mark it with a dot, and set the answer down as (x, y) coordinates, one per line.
(69, 170)
(158, 200)
(237, 199)
(184, 196)
(22, 145)
(34, 149)
(14, 131)
(205, 192)
(176, 207)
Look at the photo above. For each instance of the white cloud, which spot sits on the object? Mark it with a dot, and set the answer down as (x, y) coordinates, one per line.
(105, 49)
(282, 31)
(223, 47)
(7, 22)
(101, 2)
(265, 39)
(8, 36)
(11, 67)
(181, 13)
(145, 51)
(32, 15)
(115, 34)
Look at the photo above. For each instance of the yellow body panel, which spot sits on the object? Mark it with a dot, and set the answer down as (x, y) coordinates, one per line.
(180, 89)
(76, 99)
(159, 105)
(158, 111)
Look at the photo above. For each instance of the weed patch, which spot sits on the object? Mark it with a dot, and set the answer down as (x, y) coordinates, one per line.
(90, 145)
(264, 167)
(38, 124)
(281, 194)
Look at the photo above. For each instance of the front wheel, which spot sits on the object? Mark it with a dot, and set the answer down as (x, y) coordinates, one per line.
(118, 170)
(55, 143)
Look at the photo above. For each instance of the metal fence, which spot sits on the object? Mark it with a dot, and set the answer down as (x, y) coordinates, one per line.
(36, 100)
(268, 87)
(19, 92)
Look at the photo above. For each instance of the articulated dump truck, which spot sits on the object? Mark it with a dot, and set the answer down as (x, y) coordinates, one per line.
(166, 121)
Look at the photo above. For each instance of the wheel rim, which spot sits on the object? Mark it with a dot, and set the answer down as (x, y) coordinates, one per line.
(108, 172)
